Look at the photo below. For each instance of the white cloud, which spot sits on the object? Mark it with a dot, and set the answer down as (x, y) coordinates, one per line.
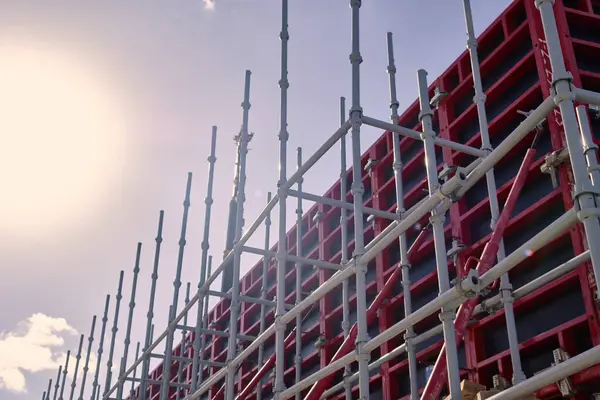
(209, 4)
(34, 346)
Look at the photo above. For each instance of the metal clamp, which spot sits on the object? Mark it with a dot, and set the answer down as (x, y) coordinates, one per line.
(565, 386)
(437, 98)
(469, 286)
(457, 248)
(552, 162)
(583, 214)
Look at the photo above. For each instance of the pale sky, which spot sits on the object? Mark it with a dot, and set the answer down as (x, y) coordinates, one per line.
(138, 85)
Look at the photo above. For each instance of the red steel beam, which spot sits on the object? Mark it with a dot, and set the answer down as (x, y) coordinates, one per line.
(347, 346)
(438, 377)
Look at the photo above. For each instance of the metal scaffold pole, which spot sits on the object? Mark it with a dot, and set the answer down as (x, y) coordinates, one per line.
(204, 326)
(57, 384)
(46, 394)
(244, 138)
(437, 220)
(486, 147)
(182, 346)
(64, 376)
(100, 348)
(299, 253)
(87, 359)
(263, 295)
(590, 148)
(127, 340)
(113, 338)
(344, 244)
(400, 210)
(585, 192)
(166, 384)
(357, 188)
(76, 370)
(279, 385)
(150, 313)
(132, 389)
(198, 348)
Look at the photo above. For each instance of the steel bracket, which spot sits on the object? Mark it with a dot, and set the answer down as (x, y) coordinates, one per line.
(540, 125)
(438, 97)
(565, 386)
(469, 286)
(552, 162)
(457, 248)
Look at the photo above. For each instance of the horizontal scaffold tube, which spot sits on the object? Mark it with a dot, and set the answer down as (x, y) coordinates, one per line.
(438, 377)
(537, 283)
(587, 96)
(456, 183)
(348, 345)
(341, 204)
(463, 148)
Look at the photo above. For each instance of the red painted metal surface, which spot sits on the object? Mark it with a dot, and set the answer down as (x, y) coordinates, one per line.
(438, 377)
(516, 34)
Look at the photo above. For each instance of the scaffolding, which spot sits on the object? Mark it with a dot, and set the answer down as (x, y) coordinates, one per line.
(188, 373)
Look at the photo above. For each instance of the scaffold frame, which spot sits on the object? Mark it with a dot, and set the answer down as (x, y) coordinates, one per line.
(458, 299)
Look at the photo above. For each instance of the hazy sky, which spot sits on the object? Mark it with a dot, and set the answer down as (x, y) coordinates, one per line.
(138, 85)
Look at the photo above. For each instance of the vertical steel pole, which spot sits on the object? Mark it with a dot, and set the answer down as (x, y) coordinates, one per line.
(589, 147)
(182, 346)
(584, 192)
(100, 348)
(114, 330)
(237, 255)
(344, 245)
(208, 201)
(505, 285)
(47, 392)
(57, 385)
(132, 390)
(176, 285)
(86, 366)
(77, 359)
(263, 295)
(299, 234)
(362, 355)
(437, 222)
(204, 324)
(64, 377)
(136, 270)
(44, 395)
(400, 210)
(150, 314)
(284, 84)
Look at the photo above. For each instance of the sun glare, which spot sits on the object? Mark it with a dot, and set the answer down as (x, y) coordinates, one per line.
(61, 141)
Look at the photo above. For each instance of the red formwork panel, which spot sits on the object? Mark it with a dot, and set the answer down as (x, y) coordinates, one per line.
(516, 77)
